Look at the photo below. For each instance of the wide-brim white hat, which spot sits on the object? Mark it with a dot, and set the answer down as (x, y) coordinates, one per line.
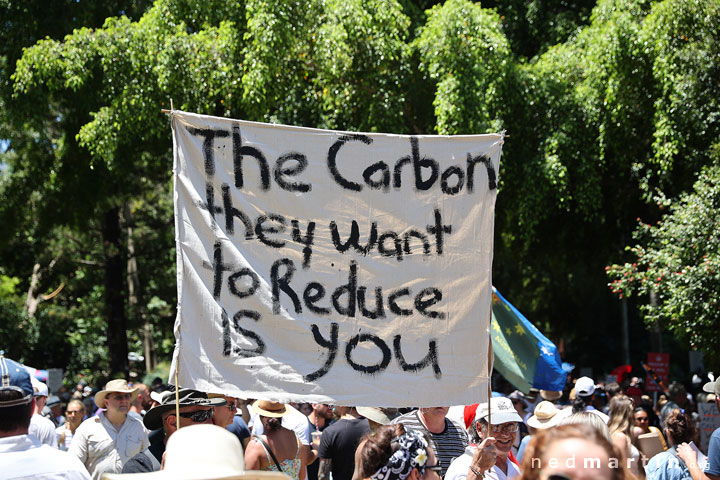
(712, 387)
(546, 415)
(202, 452)
(115, 386)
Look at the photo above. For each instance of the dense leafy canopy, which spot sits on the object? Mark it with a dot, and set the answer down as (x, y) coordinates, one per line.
(609, 104)
(678, 261)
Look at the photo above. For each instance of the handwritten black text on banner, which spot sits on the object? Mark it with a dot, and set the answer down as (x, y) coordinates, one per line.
(326, 265)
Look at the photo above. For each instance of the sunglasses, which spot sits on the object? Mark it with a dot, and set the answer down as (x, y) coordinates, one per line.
(504, 428)
(198, 416)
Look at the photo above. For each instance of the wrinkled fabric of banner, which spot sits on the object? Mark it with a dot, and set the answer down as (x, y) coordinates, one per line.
(333, 267)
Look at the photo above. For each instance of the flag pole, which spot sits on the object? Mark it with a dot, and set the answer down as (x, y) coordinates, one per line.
(177, 398)
(490, 366)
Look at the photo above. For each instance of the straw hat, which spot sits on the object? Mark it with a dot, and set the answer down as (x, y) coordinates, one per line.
(546, 415)
(550, 395)
(266, 408)
(206, 452)
(115, 386)
(376, 414)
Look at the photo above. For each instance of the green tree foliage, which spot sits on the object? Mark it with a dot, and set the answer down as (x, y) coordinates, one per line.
(463, 49)
(609, 104)
(677, 260)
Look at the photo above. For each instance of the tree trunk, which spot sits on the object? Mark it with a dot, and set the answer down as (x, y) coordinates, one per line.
(33, 298)
(114, 273)
(133, 281)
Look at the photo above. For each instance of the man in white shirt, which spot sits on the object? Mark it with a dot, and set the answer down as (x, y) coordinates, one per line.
(490, 444)
(22, 455)
(584, 397)
(104, 443)
(41, 427)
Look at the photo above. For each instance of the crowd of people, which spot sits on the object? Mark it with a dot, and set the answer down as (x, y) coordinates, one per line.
(589, 431)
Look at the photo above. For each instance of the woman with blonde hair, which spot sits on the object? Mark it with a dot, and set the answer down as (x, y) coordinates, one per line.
(573, 451)
(621, 424)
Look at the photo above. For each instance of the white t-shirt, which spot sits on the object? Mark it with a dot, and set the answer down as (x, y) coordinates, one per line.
(43, 429)
(24, 457)
(459, 467)
(294, 420)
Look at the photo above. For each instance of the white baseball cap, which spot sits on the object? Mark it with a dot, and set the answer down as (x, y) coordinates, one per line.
(501, 411)
(584, 386)
(41, 390)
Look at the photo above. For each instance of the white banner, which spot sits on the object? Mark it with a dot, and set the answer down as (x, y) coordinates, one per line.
(333, 267)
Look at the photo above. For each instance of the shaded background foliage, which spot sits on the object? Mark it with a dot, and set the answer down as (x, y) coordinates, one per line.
(611, 106)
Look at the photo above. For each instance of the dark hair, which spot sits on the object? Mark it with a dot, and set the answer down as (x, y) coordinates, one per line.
(17, 417)
(271, 424)
(472, 430)
(675, 389)
(580, 403)
(377, 449)
(540, 444)
(680, 426)
(612, 389)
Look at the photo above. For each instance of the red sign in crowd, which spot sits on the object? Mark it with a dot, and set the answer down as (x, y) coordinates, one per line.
(660, 365)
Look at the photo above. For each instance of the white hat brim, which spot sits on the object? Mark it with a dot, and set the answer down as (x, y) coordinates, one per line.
(174, 475)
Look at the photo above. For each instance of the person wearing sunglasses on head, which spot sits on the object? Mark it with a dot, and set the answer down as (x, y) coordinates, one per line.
(105, 442)
(230, 418)
(163, 420)
(488, 456)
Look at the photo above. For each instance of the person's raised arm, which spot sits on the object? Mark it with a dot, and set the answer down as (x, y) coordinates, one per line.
(689, 457)
(483, 459)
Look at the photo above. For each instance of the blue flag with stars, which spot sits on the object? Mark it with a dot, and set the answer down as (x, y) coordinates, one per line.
(523, 355)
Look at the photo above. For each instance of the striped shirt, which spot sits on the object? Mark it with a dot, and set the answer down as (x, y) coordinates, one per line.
(448, 445)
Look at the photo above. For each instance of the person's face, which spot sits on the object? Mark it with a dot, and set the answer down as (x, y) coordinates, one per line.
(519, 405)
(118, 402)
(40, 401)
(641, 420)
(504, 435)
(145, 399)
(431, 473)
(322, 410)
(74, 414)
(224, 414)
(435, 411)
(194, 415)
(576, 459)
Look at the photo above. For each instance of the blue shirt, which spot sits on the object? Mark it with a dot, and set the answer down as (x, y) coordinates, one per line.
(713, 463)
(239, 428)
(666, 466)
